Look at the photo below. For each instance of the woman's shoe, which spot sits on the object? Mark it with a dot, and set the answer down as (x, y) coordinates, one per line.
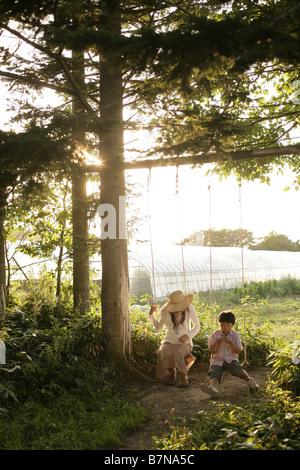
(183, 382)
(170, 380)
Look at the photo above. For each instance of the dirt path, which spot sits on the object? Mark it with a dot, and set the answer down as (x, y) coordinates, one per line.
(166, 404)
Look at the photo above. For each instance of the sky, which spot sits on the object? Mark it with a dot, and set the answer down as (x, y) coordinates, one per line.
(257, 207)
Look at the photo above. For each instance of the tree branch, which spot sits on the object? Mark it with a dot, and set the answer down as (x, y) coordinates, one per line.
(203, 158)
(35, 81)
(60, 60)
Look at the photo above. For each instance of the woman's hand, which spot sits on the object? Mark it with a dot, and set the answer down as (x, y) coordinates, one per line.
(184, 338)
(153, 309)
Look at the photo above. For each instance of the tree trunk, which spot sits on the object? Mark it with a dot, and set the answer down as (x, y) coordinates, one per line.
(61, 244)
(2, 263)
(81, 271)
(114, 295)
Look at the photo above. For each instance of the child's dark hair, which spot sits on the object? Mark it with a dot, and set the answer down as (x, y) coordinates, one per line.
(227, 316)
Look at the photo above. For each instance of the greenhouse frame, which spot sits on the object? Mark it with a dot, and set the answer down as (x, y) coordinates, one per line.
(157, 271)
(199, 268)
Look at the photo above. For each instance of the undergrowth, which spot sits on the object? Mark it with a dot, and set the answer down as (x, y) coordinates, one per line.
(57, 390)
(272, 425)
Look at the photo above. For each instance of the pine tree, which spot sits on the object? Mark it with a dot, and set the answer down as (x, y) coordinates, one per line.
(189, 69)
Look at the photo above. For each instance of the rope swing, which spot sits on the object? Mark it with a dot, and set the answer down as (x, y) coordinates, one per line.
(210, 250)
(180, 232)
(243, 275)
(150, 233)
(210, 258)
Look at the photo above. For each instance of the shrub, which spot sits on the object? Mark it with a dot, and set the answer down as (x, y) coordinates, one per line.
(286, 367)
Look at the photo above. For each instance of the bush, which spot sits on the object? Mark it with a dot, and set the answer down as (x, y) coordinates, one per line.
(56, 390)
(285, 287)
(286, 367)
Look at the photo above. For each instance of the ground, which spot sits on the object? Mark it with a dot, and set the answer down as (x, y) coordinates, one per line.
(168, 403)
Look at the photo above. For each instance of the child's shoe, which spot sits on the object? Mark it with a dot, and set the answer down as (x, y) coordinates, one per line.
(252, 384)
(209, 389)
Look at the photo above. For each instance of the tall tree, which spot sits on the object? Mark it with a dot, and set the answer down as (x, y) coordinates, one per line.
(115, 277)
(276, 242)
(81, 272)
(180, 67)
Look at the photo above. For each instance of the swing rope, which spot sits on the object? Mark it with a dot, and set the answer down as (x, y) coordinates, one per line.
(210, 258)
(179, 225)
(243, 275)
(151, 246)
(242, 266)
(150, 234)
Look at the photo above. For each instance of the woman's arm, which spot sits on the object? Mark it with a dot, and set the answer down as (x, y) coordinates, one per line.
(195, 321)
(158, 324)
(196, 326)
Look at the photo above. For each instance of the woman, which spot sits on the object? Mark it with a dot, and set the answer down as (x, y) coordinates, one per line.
(174, 354)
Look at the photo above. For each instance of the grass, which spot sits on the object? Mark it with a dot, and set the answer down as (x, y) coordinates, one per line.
(283, 318)
(69, 423)
(80, 418)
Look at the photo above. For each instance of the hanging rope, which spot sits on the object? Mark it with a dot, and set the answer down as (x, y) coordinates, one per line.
(150, 233)
(179, 224)
(151, 246)
(243, 275)
(210, 258)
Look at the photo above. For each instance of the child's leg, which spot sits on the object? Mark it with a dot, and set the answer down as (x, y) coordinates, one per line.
(215, 374)
(236, 369)
(214, 382)
(245, 376)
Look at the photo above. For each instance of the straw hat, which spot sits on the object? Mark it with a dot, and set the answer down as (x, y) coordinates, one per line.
(178, 301)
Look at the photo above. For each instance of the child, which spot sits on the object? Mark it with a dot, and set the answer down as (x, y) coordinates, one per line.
(225, 346)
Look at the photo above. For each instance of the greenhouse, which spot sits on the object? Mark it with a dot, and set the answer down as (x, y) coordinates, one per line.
(196, 268)
(189, 268)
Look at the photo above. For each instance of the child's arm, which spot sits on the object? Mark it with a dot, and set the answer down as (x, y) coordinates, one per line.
(214, 347)
(235, 348)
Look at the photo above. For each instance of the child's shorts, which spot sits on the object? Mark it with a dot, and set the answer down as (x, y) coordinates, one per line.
(234, 367)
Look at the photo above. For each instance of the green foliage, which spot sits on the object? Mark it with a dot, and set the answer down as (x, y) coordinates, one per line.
(276, 242)
(57, 391)
(258, 290)
(71, 422)
(286, 367)
(226, 237)
(273, 425)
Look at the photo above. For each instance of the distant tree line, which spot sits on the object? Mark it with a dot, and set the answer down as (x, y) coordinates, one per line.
(226, 237)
